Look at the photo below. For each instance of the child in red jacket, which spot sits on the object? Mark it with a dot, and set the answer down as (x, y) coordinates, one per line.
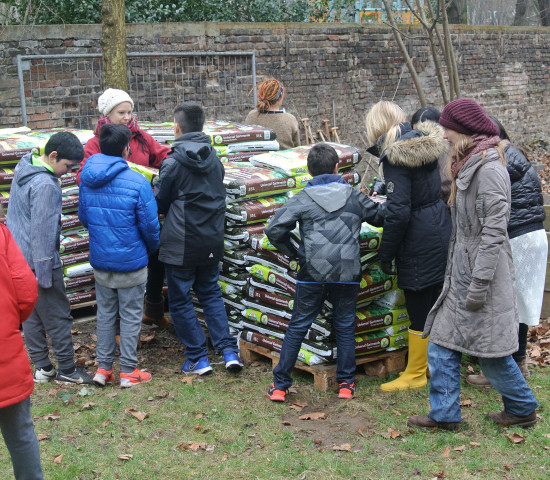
(19, 293)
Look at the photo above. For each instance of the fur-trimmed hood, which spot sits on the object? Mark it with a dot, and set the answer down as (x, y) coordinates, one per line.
(417, 147)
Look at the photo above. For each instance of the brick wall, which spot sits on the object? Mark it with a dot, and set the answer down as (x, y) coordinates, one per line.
(330, 70)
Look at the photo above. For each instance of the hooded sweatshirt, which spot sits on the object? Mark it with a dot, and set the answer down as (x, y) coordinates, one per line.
(191, 193)
(117, 206)
(329, 213)
(34, 217)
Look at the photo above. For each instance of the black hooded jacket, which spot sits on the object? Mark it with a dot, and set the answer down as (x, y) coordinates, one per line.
(191, 193)
(418, 225)
(527, 210)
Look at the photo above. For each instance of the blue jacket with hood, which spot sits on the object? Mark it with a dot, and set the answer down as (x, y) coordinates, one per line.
(117, 206)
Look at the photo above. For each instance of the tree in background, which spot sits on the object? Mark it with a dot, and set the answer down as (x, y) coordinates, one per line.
(113, 45)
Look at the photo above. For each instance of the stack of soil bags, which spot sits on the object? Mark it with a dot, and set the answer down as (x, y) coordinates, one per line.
(234, 142)
(260, 282)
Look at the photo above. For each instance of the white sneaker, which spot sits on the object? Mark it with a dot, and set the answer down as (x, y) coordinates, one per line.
(42, 376)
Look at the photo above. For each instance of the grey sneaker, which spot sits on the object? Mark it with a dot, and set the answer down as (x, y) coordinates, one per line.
(42, 376)
(79, 376)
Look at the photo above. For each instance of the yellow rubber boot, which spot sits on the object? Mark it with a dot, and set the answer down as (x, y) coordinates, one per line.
(414, 375)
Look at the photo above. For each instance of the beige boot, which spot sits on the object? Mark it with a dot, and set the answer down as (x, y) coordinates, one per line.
(154, 313)
(414, 375)
(522, 364)
(478, 380)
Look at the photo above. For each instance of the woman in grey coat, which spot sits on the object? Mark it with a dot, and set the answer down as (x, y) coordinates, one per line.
(476, 312)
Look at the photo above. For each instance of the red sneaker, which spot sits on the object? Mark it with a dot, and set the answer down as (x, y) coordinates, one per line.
(346, 390)
(275, 394)
(134, 378)
(103, 377)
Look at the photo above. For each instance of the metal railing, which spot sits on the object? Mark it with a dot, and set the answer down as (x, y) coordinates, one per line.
(62, 90)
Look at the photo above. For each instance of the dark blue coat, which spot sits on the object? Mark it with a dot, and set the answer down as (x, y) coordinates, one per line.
(418, 225)
(527, 210)
(191, 193)
(117, 206)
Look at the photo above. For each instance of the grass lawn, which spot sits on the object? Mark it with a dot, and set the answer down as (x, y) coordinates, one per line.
(224, 427)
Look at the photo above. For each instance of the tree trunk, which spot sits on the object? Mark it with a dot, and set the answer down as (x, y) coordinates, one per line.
(113, 44)
(405, 53)
(520, 18)
(457, 12)
(544, 11)
(452, 67)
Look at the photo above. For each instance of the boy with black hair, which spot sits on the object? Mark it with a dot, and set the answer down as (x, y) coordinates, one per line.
(329, 213)
(191, 193)
(118, 207)
(34, 219)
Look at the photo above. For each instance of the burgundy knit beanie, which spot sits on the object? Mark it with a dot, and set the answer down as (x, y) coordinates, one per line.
(468, 117)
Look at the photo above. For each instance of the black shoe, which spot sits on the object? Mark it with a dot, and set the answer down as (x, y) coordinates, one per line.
(79, 376)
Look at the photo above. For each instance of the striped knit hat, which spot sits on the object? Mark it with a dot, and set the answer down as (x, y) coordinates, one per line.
(468, 117)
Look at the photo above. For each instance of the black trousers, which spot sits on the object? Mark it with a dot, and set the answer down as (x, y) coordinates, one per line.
(155, 279)
(419, 304)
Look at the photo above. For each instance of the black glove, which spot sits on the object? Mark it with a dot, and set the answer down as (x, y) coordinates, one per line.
(477, 294)
(387, 268)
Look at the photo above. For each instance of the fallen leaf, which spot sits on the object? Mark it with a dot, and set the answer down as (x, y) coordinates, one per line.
(466, 403)
(396, 412)
(42, 437)
(298, 406)
(52, 416)
(137, 414)
(345, 447)
(58, 459)
(470, 369)
(393, 433)
(462, 448)
(475, 444)
(515, 438)
(88, 406)
(126, 456)
(188, 380)
(99, 432)
(446, 452)
(163, 394)
(292, 390)
(507, 467)
(194, 446)
(360, 432)
(112, 395)
(318, 441)
(286, 423)
(105, 423)
(416, 471)
(547, 435)
(150, 399)
(313, 416)
(439, 474)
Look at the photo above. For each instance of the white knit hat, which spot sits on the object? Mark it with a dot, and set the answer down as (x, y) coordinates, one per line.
(110, 98)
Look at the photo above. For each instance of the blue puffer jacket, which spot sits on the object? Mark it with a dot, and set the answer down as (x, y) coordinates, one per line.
(527, 210)
(118, 207)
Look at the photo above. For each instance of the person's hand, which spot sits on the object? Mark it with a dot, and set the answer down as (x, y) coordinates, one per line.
(387, 268)
(477, 294)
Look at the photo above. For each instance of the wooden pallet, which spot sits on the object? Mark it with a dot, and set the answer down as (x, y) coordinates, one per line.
(324, 375)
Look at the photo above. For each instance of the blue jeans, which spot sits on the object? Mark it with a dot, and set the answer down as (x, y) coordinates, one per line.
(204, 281)
(18, 432)
(308, 302)
(503, 373)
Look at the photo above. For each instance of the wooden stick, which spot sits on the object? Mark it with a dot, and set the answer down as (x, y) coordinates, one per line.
(327, 129)
(307, 130)
(335, 136)
(321, 136)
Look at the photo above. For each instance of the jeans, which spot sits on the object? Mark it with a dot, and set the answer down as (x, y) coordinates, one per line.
(502, 372)
(18, 432)
(204, 281)
(52, 316)
(112, 302)
(308, 302)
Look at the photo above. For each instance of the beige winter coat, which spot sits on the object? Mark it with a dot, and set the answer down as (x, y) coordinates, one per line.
(480, 249)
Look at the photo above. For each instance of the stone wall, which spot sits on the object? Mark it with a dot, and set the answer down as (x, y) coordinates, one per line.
(332, 71)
